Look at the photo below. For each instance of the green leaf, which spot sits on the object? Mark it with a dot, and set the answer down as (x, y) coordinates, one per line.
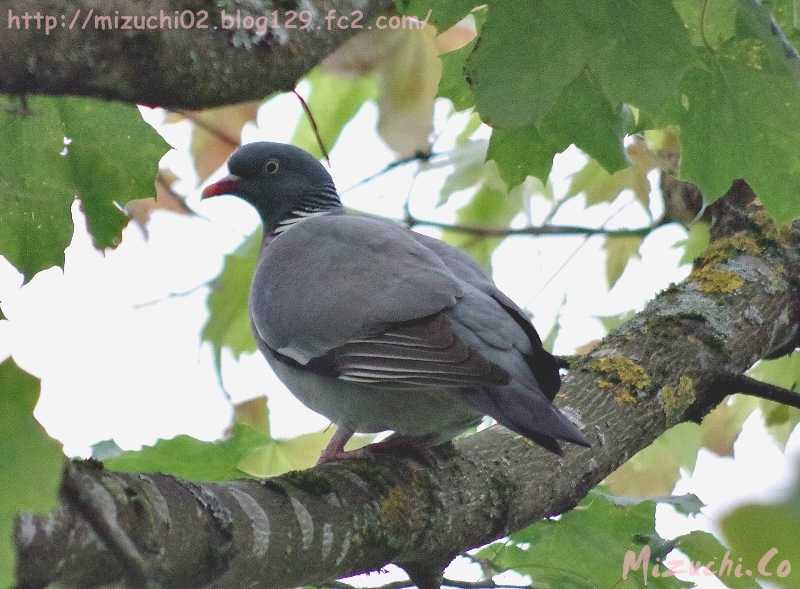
(620, 250)
(550, 47)
(611, 322)
(765, 536)
(781, 420)
(654, 471)
(756, 22)
(787, 14)
(584, 116)
(280, 456)
(733, 128)
(688, 504)
(722, 426)
(31, 462)
(334, 100)
(695, 243)
(452, 84)
(468, 168)
(193, 459)
(781, 372)
(520, 153)
(602, 530)
(712, 22)
(639, 51)
(703, 548)
(646, 53)
(442, 13)
(112, 158)
(599, 186)
(549, 342)
(228, 324)
(246, 452)
(491, 206)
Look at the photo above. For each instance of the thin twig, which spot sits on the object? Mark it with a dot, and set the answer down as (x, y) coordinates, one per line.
(174, 295)
(417, 157)
(445, 583)
(537, 230)
(313, 122)
(213, 129)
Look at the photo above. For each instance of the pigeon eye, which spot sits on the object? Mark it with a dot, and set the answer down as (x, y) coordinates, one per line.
(271, 166)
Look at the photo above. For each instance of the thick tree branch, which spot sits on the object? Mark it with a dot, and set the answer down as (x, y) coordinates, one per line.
(656, 370)
(183, 59)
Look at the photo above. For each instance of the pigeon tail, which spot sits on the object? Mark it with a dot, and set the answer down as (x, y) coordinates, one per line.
(530, 416)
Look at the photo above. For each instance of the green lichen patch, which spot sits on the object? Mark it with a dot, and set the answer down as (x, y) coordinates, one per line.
(675, 400)
(716, 281)
(397, 509)
(725, 248)
(308, 481)
(622, 377)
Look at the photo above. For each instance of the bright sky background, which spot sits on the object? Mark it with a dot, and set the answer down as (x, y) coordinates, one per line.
(120, 357)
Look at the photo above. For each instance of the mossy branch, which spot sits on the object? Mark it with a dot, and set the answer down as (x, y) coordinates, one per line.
(658, 369)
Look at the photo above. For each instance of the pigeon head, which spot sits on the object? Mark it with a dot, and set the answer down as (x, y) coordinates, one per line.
(283, 183)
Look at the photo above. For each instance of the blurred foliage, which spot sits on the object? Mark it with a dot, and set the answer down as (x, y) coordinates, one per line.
(247, 450)
(703, 549)
(585, 548)
(228, 324)
(620, 249)
(215, 133)
(655, 57)
(784, 372)
(765, 536)
(55, 149)
(695, 243)
(491, 206)
(31, 462)
(338, 98)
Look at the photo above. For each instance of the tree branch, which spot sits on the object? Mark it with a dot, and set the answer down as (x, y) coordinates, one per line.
(483, 231)
(445, 583)
(183, 59)
(739, 383)
(335, 520)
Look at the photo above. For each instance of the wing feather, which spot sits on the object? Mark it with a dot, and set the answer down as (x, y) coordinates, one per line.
(420, 353)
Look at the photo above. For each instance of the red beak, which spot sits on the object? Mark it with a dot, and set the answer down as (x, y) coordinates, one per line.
(228, 185)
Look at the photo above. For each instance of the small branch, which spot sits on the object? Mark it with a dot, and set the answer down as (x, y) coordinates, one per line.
(730, 384)
(173, 295)
(417, 157)
(445, 583)
(538, 230)
(98, 508)
(313, 122)
(220, 134)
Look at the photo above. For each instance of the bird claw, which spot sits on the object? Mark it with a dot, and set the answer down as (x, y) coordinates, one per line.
(415, 449)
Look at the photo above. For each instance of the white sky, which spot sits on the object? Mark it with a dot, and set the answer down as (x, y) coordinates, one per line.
(116, 365)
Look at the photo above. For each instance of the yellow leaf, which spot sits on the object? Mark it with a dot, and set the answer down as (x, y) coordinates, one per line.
(620, 250)
(216, 133)
(408, 82)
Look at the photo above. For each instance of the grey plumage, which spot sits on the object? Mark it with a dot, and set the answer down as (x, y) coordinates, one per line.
(381, 328)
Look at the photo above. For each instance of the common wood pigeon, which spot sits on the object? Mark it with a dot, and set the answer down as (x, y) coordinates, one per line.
(378, 327)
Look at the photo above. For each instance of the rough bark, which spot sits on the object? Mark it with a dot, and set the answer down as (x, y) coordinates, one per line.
(656, 370)
(179, 67)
